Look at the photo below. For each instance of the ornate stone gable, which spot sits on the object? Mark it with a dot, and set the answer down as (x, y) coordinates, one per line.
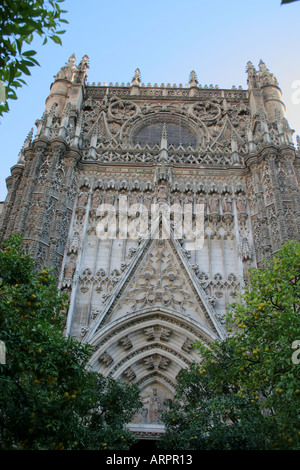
(158, 277)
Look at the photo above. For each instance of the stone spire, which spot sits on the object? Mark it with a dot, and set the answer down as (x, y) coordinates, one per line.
(81, 70)
(26, 144)
(252, 75)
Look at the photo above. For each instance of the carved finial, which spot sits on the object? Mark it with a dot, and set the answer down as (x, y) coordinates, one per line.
(250, 67)
(67, 71)
(28, 139)
(193, 79)
(262, 67)
(137, 79)
(80, 73)
(266, 77)
(83, 64)
(26, 144)
(252, 73)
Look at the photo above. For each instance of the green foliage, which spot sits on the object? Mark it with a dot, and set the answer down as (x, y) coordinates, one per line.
(49, 398)
(208, 414)
(246, 392)
(20, 22)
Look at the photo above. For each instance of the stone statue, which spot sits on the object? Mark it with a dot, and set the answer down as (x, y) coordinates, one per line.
(241, 204)
(226, 205)
(162, 194)
(214, 204)
(82, 199)
(70, 268)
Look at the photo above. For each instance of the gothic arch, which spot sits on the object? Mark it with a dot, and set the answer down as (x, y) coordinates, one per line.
(156, 343)
(187, 125)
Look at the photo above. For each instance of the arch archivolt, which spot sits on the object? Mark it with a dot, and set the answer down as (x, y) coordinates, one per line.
(148, 347)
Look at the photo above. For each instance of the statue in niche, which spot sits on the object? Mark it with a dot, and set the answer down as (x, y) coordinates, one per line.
(70, 268)
(176, 198)
(189, 198)
(147, 200)
(241, 204)
(202, 201)
(109, 198)
(133, 198)
(155, 407)
(162, 194)
(82, 199)
(214, 204)
(97, 199)
(227, 204)
(154, 404)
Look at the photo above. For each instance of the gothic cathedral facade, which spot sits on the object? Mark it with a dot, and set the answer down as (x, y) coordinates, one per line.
(142, 302)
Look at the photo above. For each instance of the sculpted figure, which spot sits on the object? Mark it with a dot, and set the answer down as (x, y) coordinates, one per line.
(70, 269)
(162, 194)
(227, 205)
(82, 199)
(96, 199)
(147, 200)
(214, 204)
(241, 204)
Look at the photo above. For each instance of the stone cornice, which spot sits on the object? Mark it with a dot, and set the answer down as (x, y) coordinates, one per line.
(165, 92)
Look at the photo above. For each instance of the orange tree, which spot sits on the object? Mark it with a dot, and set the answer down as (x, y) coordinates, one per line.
(246, 391)
(49, 398)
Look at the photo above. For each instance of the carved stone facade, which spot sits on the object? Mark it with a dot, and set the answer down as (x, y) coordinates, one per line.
(142, 302)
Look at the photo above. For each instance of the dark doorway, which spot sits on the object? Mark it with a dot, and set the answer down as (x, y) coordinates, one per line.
(144, 445)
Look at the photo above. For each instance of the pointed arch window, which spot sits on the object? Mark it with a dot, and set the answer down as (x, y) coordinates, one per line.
(178, 133)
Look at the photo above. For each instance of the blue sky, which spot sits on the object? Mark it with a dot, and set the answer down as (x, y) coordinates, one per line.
(166, 40)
